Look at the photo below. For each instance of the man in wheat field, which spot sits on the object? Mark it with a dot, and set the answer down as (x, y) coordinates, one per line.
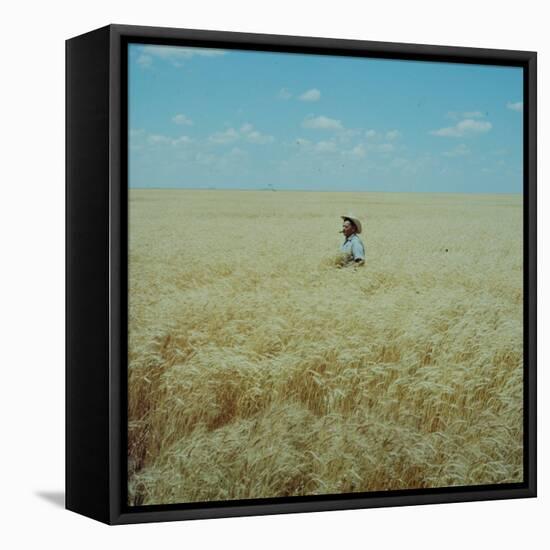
(352, 249)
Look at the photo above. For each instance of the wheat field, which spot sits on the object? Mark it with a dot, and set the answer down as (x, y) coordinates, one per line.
(258, 368)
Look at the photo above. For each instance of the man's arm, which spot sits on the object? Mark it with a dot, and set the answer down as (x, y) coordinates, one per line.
(358, 252)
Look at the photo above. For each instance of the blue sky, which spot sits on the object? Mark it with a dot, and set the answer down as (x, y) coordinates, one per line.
(201, 118)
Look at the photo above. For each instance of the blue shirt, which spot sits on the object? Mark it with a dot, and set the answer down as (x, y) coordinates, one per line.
(354, 247)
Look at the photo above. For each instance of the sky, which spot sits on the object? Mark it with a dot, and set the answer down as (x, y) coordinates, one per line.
(235, 119)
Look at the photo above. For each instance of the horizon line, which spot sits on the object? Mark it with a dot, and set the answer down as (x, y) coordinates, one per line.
(267, 189)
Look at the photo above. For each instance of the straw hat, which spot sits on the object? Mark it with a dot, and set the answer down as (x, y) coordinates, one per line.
(355, 221)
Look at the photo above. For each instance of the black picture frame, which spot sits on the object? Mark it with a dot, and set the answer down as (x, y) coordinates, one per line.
(96, 272)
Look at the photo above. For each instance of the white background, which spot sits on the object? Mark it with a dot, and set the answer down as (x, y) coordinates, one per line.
(32, 272)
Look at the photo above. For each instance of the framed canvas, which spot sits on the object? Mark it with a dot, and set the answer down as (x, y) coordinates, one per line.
(301, 274)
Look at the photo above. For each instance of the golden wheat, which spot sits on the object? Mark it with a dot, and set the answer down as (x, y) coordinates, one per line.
(257, 369)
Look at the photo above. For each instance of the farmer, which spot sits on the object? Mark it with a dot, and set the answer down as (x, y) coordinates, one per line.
(352, 248)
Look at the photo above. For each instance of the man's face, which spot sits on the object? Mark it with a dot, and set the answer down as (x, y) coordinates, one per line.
(347, 228)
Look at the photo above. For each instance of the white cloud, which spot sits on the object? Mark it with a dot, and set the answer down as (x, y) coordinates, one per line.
(393, 135)
(253, 136)
(518, 106)
(256, 137)
(284, 94)
(346, 134)
(458, 151)
(463, 128)
(322, 122)
(182, 119)
(302, 142)
(311, 147)
(227, 136)
(246, 132)
(390, 135)
(177, 52)
(158, 139)
(136, 132)
(326, 147)
(136, 137)
(311, 95)
(359, 151)
(182, 140)
(473, 114)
